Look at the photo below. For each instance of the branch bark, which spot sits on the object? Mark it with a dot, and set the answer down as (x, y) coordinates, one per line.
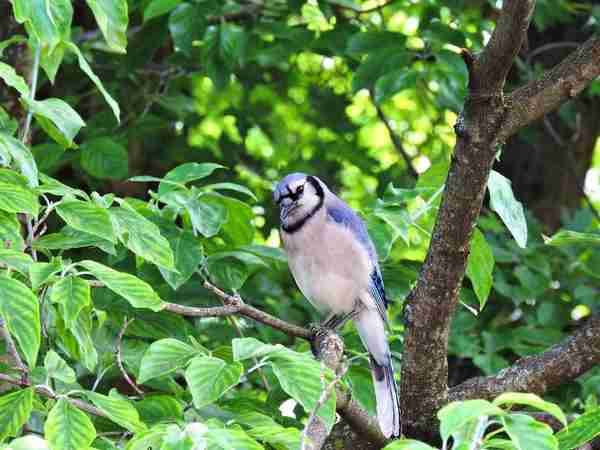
(537, 374)
(430, 305)
(563, 82)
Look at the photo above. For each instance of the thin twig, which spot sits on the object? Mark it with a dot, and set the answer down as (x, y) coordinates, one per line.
(11, 347)
(120, 361)
(325, 394)
(397, 142)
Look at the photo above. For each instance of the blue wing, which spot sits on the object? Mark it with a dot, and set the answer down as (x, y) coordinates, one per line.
(341, 213)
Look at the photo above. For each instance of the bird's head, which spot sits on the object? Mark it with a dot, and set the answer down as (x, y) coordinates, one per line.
(298, 196)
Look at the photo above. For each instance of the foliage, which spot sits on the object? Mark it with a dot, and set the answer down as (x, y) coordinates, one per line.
(152, 172)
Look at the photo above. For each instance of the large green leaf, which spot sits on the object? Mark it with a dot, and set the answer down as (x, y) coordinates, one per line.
(70, 238)
(480, 267)
(503, 201)
(187, 24)
(456, 414)
(568, 237)
(13, 79)
(524, 399)
(393, 83)
(206, 214)
(137, 292)
(301, 376)
(68, 428)
(15, 409)
(230, 438)
(58, 368)
(20, 311)
(15, 198)
(164, 357)
(160, 409)
(82, 332)
(209, 378)
(10, 231)
(246, 348)
(23, 156)
(105, 159)
(85, 67)
(112, 18)
(583, 429)
(118, 410)
(57, 118)
(188, 254)
(528, 434)
(407, 444)
(73, 294)
(40, 272)
(46, 22)
(16, 260)
(186, 173)
(87, 217)
(142, 237)
(156, 8)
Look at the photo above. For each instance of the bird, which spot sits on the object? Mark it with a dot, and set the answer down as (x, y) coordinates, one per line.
(335, 266)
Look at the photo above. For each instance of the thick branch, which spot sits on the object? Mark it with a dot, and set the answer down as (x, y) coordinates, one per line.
(537, 374)
(556, 86)
(431, 303)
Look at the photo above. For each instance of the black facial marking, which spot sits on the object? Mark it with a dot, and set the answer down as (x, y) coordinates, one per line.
(292, 228)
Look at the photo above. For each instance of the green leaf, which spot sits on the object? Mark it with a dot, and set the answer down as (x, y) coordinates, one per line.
(187, 24)
(502, 200)
(112, 18)
(105, 159)
(29, 442)
(246, 348)
(14, 80)
(16, 260)
(207, 216)
(73, 294)
(118, 410)
(157, 8)
(580, 431)
(48, 23)
(70, 238)
(300, 376)
(83, 65)
(16, 39)
(370, 41)
(378, 64)
(87, 217)
(186, 173)
(137, 292)
(407, 444)
(567, 237)
(60, 117)
(164, 357)
(82, 332)
(20, 311)
(231, 187)
(187, 252)
(160, 409)
(68, 428)
(234, 42)
(23, 156)
(40, 272)
(16, 199)
(520, 398)
(394, 82)
(142, 237)
(209, 378)
(58, 368)
(10, 232)
(480, 267)
(15, 409)
(228, 272)
(228, 438)
(456, 414)
(528, 434)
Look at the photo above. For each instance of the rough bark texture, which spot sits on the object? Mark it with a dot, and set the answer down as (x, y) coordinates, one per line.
(537, 374)
(430, 306)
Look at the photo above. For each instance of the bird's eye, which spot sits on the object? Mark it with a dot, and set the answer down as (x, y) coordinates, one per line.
(300, 189)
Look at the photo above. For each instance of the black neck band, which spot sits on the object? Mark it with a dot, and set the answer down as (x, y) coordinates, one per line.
(292, 228)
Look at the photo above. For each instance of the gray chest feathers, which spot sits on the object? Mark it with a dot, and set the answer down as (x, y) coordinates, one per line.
(330, 266)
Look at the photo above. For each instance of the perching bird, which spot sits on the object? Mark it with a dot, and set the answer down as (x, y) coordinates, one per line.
(335, 266)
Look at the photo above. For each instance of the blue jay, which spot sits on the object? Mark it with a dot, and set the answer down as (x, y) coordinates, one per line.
(335, 266)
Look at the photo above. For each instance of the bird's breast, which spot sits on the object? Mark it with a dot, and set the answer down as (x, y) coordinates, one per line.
(329, 265)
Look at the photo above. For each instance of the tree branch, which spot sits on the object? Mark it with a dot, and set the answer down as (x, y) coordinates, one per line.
(556, 86)
(430, 305)
(235, 305)
(537, 374)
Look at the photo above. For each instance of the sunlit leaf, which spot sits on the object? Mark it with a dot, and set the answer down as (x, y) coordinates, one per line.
(73, 294)
(502, 200)
(112, 18)
(68, 428)
(528, 434)
(15, 409)
(480, 267)
(118, 410)
(87, 217)
(164, 357)
(209, 378)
